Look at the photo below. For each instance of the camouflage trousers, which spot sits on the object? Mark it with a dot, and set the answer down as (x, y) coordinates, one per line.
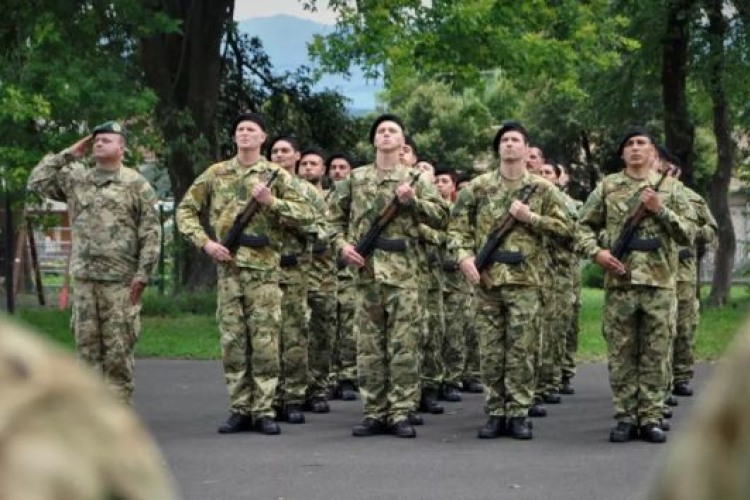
(571, 333)
(459, 318)
(431, 372)
(550, 348)
(106, 327)
(249, 317)
(293, 345)
(638, 326)
(346, 361)
(471, 371)
(508, 330)
(322, 329)
(387, 344)
(688, 315)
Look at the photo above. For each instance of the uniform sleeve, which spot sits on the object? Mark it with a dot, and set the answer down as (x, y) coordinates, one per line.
(708, 230)
(591, 220)
(431, 208)
(675, 216)
(190, 208)
(554, 221)
(293, 206)
(339, 207)
(460, 239)
(149, 232)
(51, 176)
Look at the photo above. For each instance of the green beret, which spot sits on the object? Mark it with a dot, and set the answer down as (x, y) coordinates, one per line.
(108, 128)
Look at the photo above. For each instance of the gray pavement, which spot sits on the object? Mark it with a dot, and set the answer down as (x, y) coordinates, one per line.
(183, 402)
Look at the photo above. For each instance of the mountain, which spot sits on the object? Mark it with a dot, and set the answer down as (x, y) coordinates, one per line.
(285, 40)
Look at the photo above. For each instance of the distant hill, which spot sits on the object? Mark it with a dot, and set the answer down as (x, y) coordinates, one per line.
(285, 40)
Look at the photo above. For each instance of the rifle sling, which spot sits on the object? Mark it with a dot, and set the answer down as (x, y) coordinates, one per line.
(254, 241)
(644, 244)
(391, 245)
(511, 258)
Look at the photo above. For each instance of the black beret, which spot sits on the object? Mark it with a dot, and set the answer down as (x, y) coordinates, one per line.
(292, 140)
(634, 132)
(387, 117)
(312, 151)
(108, 128)
(668, 156)
(509, 126)
(256, 118)
(339, 156)
(464, 177)
(409, 141)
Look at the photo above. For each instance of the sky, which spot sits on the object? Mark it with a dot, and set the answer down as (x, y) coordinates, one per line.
(244, 9)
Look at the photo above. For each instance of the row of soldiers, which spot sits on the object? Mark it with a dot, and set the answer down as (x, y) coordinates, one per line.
(413, 314)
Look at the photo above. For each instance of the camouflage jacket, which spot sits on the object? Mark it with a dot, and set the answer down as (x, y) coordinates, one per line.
(357, 203)
(114, 221)
(608, 207)
(705, 235)
(297, 241)
(433, 241)
(323, 269)
(485, 201)
(224, 189)
(454, 280)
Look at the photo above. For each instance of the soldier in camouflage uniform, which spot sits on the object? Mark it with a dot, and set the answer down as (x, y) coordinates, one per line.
(388, 339)
(639, 301)
(508, 298)
(64, 435)
(249, 297)
(116, 235)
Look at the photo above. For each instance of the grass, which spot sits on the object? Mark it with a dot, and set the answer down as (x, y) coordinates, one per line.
(184, 327)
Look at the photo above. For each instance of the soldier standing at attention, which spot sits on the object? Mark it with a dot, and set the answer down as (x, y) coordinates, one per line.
(249, 297)
(640, 298)
(508, 302)
(387, 337)
(115, 248)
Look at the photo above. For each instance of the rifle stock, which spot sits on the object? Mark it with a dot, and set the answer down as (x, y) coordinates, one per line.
(232, 239)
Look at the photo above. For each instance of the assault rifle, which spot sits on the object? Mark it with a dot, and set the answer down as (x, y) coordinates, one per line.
(496, 237)
(232, 239)
(622, 243)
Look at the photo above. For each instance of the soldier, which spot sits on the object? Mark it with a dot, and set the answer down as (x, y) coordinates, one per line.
(63, 433)
(249, 297)
(535, 160)
(508, 296)
(387, 339)
(116, 235)
(339, 166)
(321, 285)
(639, 298)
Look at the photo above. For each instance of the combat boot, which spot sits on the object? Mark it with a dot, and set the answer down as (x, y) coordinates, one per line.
(652, 433)
(293, 414)
(623, 433)
(319, 405)
(552, 398)
(567, 388)
(369, 427)
(666, 412)
(473, 386)
(347, 391)
(414, 418)
(236, 423)
(518, 428)
(403, 429)
(671, 400)
(451, 393)
(664, 425)
(428, 403)
(682, 389)
(537, 409)
(266, 425)
(494, 428)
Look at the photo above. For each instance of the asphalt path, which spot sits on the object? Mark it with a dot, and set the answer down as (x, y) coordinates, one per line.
(570, 457)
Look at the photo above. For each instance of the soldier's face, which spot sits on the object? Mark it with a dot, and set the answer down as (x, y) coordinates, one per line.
(311, 168)
(406, 156)
(637, 151)
(534, 161)
(108, 147)
(548, 172)
(513, 146)
(445, 186)
(389, 137)
(249, 135)
(283, 153)
(339, 170)
(428, 171)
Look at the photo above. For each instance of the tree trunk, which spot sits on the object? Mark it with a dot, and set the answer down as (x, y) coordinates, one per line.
(679, 130)
(719, 189)
(184, 69)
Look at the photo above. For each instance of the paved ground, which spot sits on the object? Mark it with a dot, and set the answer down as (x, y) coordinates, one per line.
(569, 458)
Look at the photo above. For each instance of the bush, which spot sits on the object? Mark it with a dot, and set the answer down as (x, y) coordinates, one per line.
(592, 276)
(203, 303)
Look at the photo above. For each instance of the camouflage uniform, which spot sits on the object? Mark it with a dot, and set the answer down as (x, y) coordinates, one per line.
(639, 307)
(431, 368)
(387, 337)
(508, 296)
(116, 235)
(346, 353)
(710, 460)
(471, 371)
(571, 304)
(64, 436)
(249, 297)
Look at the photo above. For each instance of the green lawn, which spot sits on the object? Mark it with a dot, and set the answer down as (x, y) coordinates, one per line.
(168, 333)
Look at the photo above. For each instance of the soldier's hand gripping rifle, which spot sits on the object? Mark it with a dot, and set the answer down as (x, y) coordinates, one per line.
(622, 243)
(496, 238)
(231, 240)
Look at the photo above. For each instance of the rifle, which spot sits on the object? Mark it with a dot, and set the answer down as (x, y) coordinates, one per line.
(621, 246)
(232, 239)
(496, 237)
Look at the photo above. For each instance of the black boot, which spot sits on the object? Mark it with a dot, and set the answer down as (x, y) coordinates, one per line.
(293, 414)
(414, 418)
(473, 386)
(666, 412)
(266, 425)
(451, 393)
(403, 429)
(369, 427)
(623, 433)
(652, 433)
(428, 403)
(236, 423)
(567, 388)
(671, 400)
(664, 425)
(518, 428)
(552, 398)
(319, 405)
(537, 409)
(347, 391)
(682, 389)
(494, 428)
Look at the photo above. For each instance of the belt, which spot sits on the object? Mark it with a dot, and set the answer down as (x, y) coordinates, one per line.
(644, 244)
(450, 266)
(390, 245)
(289, 260)
(511, 258)
(685, 255)
(319, 249)
(254, 241)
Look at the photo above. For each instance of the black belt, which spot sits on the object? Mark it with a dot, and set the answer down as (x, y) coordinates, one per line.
(289, 260)
(644, 244)
(319, 249)
(511, 258)
(450, 266)
(685, 254)
(254, 241)
(390, 245)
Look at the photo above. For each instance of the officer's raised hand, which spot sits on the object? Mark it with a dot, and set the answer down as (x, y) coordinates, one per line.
(80, 148)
